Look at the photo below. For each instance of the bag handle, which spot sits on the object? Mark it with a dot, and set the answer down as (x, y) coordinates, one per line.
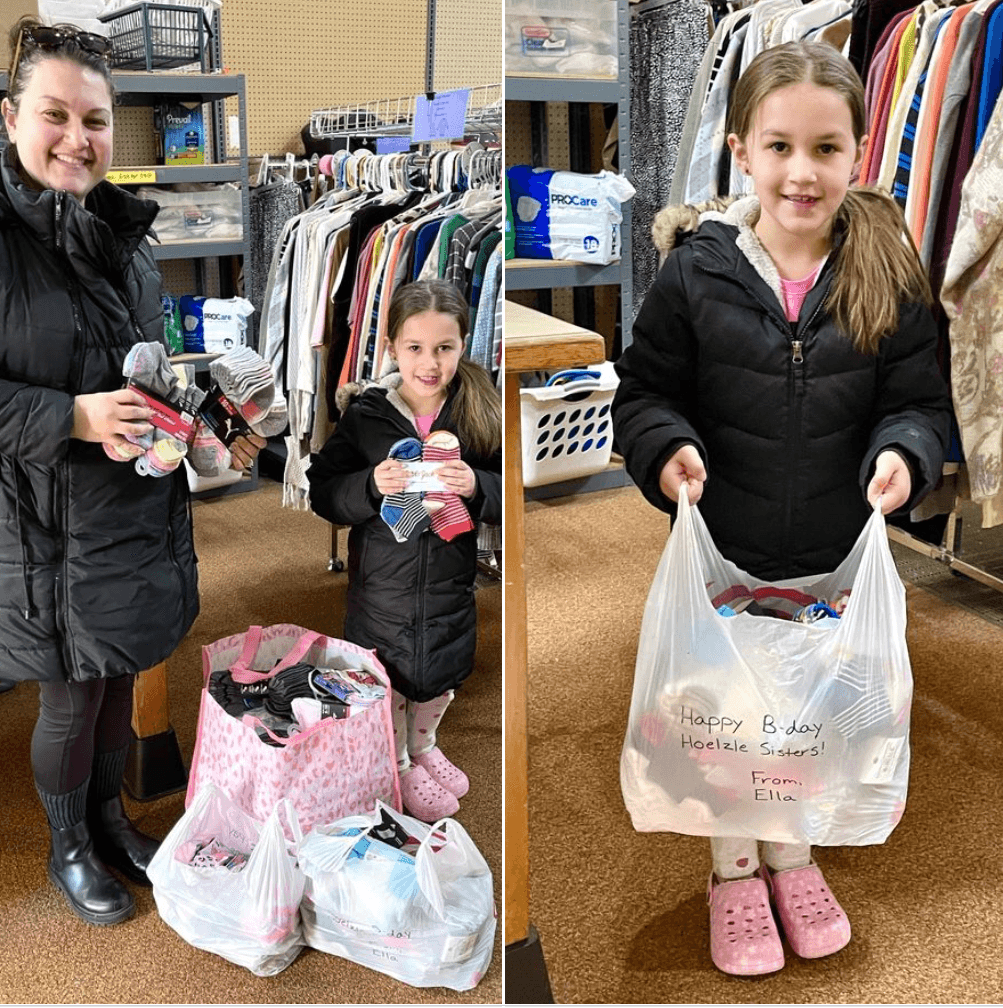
(241, 669)
(465, 849)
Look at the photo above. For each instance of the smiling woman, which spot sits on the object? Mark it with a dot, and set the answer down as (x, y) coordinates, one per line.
(62, 127)
(97, 567)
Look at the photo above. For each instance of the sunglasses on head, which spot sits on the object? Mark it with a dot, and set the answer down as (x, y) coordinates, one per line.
(46, 37)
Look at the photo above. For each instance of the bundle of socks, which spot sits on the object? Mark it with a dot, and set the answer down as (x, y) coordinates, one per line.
(246, 379)
(409, 513)
(242, 375)
(157, 452)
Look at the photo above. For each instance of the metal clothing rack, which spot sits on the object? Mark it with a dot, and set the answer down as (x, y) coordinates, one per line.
(948, 552)
(386, 117)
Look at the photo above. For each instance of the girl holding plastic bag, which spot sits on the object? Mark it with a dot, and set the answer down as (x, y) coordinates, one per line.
(783, 368)
(412, 556)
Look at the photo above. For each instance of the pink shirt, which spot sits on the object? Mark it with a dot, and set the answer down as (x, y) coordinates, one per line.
(424, 424)
(795, 292)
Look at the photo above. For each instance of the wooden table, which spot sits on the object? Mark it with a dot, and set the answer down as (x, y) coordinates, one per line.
(533, 342)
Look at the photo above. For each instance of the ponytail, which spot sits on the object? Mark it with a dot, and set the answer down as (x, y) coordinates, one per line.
(877, 269)
(476, 409)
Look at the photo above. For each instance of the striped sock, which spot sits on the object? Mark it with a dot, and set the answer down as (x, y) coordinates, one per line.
(452, 518)
(405, 514)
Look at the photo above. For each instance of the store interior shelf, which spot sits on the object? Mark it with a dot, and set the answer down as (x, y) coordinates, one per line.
(567, 89)
(201, 249)
(610, 478)
(168, 175)
(538, 274)
(138, 88)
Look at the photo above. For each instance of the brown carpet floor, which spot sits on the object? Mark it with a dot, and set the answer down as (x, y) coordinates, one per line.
(622, 915)
(259, 564)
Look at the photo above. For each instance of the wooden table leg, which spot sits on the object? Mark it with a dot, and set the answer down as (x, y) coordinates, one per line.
(526, 979)
(154, 767)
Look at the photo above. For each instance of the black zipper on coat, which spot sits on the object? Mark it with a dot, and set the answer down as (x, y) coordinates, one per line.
(419, 613)
(62, 599)
(797, 392)
(796, 338)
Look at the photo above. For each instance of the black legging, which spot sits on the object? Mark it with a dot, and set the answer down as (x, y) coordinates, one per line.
(76, 721)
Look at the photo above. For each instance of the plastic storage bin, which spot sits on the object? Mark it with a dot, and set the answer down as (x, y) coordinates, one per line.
(212, 214)
(566, 38)
(566, 429)
(150, 36)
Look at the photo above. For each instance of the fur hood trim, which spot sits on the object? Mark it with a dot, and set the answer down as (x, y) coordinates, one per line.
(351, 391)
(672, 222)
(391, 381)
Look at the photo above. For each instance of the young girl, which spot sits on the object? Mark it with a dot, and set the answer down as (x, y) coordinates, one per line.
(410, 584)
(783, 368)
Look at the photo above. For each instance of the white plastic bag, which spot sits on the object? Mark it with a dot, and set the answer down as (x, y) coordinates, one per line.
(761, 727)
(427, 919)
(250, 916)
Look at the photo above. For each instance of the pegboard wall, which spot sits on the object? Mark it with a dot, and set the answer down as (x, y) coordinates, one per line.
(468, 44)
(301, 56)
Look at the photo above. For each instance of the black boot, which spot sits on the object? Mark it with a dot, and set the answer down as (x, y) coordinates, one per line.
(116, 841)
(94, 894)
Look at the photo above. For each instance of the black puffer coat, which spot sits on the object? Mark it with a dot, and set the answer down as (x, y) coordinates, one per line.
(788, 418)
(412, 601)
(97, 567)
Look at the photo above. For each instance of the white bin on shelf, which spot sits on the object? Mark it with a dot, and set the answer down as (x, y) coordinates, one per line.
(561, 38)
(567, 432)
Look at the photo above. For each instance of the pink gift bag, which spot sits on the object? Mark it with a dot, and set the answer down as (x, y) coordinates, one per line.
(337, 768)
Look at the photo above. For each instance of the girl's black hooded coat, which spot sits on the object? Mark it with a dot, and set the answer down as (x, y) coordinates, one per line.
(412, 601)
(97, 566)
(788, 417)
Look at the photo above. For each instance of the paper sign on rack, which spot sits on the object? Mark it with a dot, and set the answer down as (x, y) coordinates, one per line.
(392, 145)
(442, 118)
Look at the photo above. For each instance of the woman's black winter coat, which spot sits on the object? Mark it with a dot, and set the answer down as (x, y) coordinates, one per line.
(412, 601)
(788, 417)
(97, 566)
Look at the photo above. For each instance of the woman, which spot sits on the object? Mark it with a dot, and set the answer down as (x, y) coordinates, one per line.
(97, 566)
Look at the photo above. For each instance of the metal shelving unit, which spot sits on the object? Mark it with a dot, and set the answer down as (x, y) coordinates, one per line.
(540, 274)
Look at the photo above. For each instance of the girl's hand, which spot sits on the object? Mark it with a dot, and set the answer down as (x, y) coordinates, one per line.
(687, 467)
(244, 451)
(390, 477)
(109, 416)
(891, 478)
(458, 478)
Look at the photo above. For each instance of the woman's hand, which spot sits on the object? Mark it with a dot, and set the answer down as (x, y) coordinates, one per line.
(109, 416)
(687, 467)
(458, 478)
(244, 451)
(390, 477)
(891, 479)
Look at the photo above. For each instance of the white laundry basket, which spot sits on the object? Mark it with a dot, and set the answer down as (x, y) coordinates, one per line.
(567, 431)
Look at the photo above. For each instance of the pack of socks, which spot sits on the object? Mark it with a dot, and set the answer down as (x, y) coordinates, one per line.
(405, 512)
(157, 452)
(246, 379)
(410, 512)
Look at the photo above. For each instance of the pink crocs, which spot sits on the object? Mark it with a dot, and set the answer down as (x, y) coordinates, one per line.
(814, 923)
(451, 777)
(425, 798)
(743, 935)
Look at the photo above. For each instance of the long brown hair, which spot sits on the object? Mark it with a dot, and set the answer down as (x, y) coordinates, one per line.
(476, 410)
(877, 267)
